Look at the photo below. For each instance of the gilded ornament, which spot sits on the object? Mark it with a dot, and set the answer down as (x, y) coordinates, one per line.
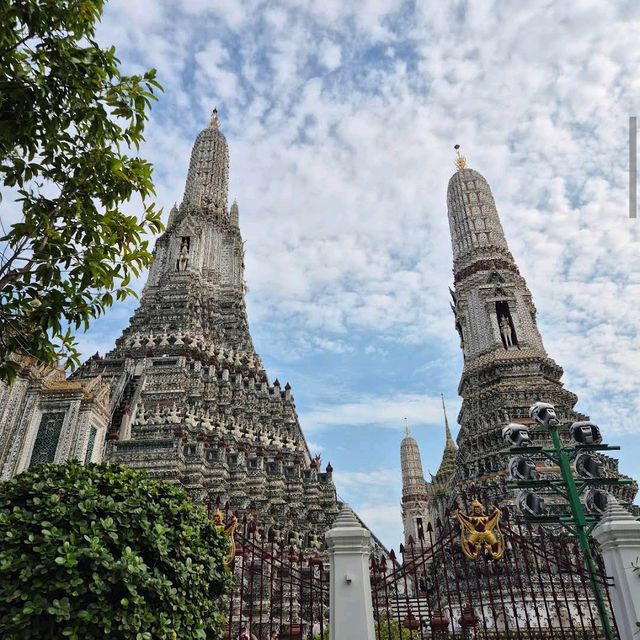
(229, 531)
(461, 161)
(214, 119)
(480, 532)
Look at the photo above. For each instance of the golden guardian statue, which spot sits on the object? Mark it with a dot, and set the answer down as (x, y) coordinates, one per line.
(480, 532)
(229, 531)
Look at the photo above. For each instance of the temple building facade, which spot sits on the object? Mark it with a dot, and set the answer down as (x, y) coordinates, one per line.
(45, 417)
(183, 394)
(506, 367)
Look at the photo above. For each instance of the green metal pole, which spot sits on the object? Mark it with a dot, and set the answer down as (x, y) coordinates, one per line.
(580, 526)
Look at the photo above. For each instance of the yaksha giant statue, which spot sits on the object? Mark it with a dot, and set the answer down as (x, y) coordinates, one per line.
(480, 532)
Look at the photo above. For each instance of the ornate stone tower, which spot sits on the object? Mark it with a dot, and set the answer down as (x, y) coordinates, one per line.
(415, 500)
(187, 396)
(506, 367)
(424, 502)
(196, 283)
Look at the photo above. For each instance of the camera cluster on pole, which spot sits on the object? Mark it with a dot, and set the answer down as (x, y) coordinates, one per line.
(587, 478)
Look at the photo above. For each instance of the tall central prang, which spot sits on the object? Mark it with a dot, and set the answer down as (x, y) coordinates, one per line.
(190, 399)
(196, 283)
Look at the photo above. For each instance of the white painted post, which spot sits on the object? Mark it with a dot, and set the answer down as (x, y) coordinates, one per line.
(351, 611)
(619, 536)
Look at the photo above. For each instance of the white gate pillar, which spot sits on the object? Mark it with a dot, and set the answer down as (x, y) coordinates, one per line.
(351, 611)
(619, 536)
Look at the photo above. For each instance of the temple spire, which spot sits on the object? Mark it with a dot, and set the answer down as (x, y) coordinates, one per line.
(414, 489)
(207, 184)
(448, 462)
(506, 367)
(476, 230)
(449, 441)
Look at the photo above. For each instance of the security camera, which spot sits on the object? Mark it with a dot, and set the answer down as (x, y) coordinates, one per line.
(544, 413)
(522, 468)
(516, 435)
(531, 504)
(588, 466)
(596, 501)
(585, 433)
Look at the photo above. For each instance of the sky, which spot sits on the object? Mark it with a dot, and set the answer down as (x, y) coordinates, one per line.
(341, 119)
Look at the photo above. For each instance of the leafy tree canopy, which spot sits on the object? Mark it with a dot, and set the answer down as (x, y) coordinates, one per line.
(68, 118)
(102, 550)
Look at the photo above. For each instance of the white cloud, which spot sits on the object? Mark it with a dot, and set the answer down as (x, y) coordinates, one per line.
(369, 493)
(341, 177)
(331, 55)
(387, 411)
(314, 448)
(384, 519)
(341, 181)
(348, 480)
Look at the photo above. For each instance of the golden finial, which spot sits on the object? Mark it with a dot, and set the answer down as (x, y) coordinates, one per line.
(406, 427)
(461, 161)
(214, 118)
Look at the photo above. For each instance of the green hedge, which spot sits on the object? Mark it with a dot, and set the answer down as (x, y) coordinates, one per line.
(102, 550)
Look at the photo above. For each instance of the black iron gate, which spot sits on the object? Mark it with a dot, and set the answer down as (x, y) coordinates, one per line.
(279, 593)
(538, 589)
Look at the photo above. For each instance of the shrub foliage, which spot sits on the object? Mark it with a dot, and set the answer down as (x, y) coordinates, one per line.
(102, 550)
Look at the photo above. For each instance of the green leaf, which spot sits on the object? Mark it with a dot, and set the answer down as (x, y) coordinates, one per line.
(70, 120)
(162, 569)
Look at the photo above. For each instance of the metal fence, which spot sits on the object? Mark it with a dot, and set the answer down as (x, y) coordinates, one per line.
(279, 592)
(539, 588)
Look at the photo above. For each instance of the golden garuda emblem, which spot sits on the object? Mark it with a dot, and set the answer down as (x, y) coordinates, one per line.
(480, 532)
(229, 531)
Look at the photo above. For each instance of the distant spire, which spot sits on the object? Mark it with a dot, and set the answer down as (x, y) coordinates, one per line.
(406, 428)
(461, 161)
(449, 442)
(173, 214)
(234, 213)
(214, 118)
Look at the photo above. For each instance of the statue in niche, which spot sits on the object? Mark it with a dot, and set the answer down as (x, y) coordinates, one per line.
(505, 331)
(164, 338)
(173, 417)
(505, 325)
(190, 418)
(183, 258)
